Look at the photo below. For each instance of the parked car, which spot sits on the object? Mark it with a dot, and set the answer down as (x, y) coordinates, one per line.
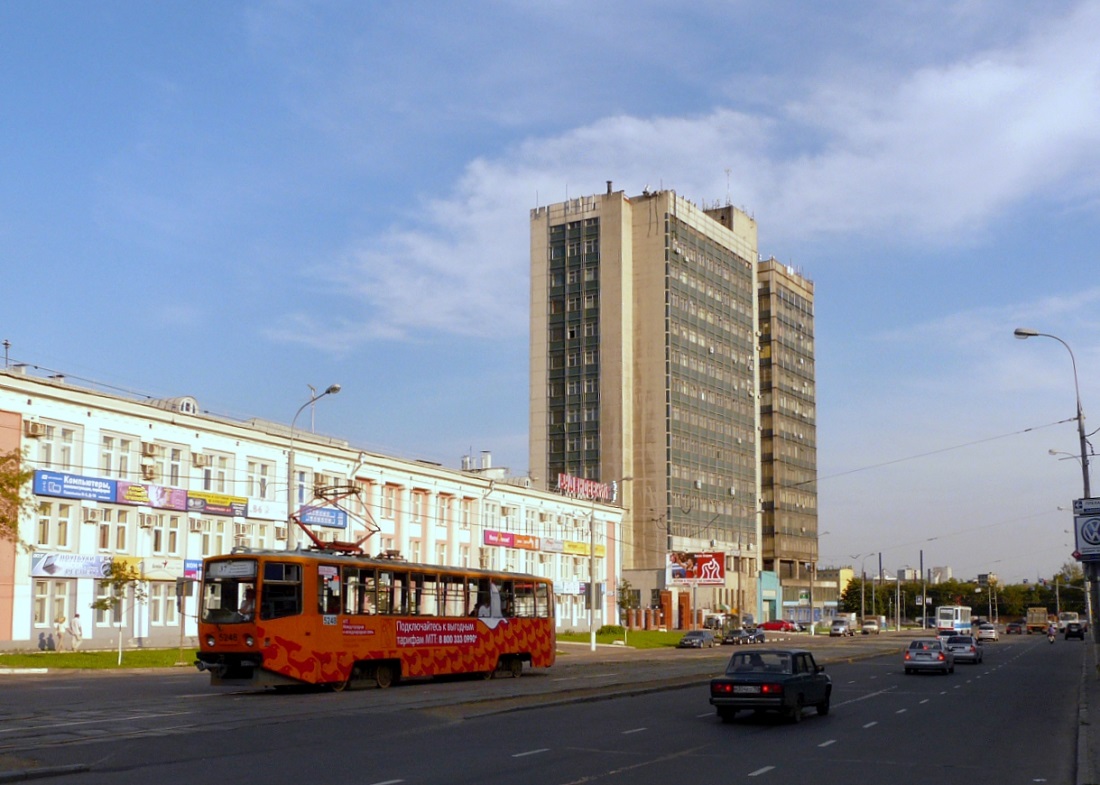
(778, 625)
(1075, 629)
(697, 639)
(737, 637)
(987, 632)
(783, 680)
(928, 654)
(1014, 628)
(869, 627)
(840, 628)
(965, 648)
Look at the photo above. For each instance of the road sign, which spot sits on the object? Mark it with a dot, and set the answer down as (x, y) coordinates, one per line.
(1086, 506)
(1087, 531)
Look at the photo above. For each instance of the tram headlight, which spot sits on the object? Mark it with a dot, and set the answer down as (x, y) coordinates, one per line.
(249, 641)
(210, 641)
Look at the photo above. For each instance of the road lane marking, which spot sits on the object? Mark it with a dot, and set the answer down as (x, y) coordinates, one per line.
(870, 724)
(901, 711)
(387, 782)
(926, 700)
(758, 772)
(634, 730)
(827, 743)
(518, 755)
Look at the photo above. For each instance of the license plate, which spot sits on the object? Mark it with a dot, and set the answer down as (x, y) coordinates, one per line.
(743, 688)
(924, 656)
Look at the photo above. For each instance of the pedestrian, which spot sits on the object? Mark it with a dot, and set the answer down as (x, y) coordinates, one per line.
(76, 632)
(59, 632)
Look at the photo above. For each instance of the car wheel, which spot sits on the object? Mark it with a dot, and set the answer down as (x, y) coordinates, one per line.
(823, 707)
(727, 715)
(796, 711)
(908, 671)
(951, 669)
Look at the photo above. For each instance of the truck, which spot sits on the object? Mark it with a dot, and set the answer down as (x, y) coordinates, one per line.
(1038, 619)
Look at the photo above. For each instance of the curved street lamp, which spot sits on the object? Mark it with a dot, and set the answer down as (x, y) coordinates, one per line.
(1024, 333)
(291, 533)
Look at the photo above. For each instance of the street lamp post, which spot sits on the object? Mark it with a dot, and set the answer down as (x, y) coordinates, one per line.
(291, 532)
(1024, 333)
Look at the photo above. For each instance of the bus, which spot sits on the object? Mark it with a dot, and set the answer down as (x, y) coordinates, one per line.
(953, 620)
(343, 620)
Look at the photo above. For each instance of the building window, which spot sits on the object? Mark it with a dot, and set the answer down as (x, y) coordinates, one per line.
(51, 601)
(114, 456)
(389, 502)
(54, 524)
(260, 474)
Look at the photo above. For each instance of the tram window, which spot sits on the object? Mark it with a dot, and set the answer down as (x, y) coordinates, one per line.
(425, 595)
(508, 598)
(543, 601)
(525, 599)
(453, 596)
(359, 591)
(281, 591)
(328, 589)
(385, 591)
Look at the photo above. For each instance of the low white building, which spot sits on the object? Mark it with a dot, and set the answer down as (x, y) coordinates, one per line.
(162, 485)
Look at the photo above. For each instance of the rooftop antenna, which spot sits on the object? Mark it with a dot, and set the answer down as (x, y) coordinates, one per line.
(727, 186)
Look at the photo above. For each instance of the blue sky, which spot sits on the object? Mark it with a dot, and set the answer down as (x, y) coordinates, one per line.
(237, 200)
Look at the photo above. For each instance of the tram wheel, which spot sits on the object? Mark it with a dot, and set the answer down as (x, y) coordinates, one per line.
(384, 675)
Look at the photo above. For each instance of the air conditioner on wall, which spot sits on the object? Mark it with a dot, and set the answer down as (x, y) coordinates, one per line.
(146, 521)
(34, 429)
(196, 525)
(199, 461)
(92, 515)
(150, 450)
(148, 471)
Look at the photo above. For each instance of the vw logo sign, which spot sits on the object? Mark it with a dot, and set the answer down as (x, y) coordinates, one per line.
(1090, 531)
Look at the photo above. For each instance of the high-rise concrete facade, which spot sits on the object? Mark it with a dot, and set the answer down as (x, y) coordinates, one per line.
(788, 415)
(644, 374)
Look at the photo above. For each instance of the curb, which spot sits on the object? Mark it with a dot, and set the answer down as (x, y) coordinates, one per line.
(16, 671)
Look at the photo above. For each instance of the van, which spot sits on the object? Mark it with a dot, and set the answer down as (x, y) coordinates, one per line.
(840, 628)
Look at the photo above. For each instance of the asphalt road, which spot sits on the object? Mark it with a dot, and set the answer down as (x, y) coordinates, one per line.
(612, 716)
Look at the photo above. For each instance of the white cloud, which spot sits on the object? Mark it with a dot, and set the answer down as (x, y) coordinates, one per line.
(932, 157)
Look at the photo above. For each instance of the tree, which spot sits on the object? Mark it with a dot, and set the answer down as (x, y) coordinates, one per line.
(122, 580)
(13, 504)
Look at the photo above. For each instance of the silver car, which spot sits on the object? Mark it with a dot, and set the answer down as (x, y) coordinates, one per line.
(965, 648)
(987, 632)
(928, 654)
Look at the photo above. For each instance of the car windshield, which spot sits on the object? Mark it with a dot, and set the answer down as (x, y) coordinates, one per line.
(760, 662)
(960, 639)
(925, 645)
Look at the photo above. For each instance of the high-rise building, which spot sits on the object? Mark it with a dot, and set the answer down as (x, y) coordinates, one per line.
(644, 374)
(788, 417)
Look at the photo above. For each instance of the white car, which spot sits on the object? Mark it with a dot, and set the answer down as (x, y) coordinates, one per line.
(986, 632)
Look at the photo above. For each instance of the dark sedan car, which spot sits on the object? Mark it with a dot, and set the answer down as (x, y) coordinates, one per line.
(737, 637)
(1014, 628)
(1075, 629)
(783, 680)
(697, 639)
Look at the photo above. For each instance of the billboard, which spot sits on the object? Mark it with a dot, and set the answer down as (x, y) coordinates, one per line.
(695, 569)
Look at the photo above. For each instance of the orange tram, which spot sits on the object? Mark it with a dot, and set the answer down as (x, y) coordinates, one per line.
(282, 618)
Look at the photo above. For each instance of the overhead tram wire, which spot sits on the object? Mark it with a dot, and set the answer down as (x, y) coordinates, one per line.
(936, 452)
